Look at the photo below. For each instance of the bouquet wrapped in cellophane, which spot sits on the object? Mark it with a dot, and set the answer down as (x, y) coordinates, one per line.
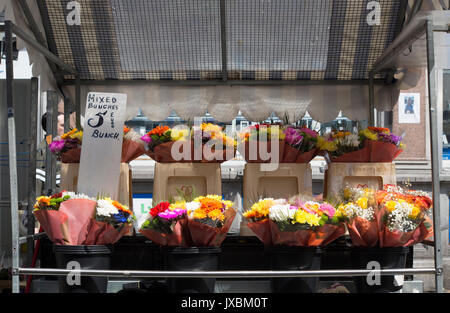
(360, 211)
(67, 147)
(76, 219)
(202, 222)
(370, 145)
(298, 221)
(405, 220)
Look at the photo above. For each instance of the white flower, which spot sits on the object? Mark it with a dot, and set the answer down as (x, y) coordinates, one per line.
(281, 212)
(106, 208)
(192, 206)
(399, 218)
(353, 210)
(74, 195)
(351, 140)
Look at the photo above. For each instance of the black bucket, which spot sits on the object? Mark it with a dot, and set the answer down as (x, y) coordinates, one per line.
(192, 259)
(388, 258)
(88, 257)
(295, 259)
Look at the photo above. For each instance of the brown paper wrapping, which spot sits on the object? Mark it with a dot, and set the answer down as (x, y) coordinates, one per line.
(404, 239)
(286, 153)
(179, 237)
(383, 152)
(131, 150)
(321, 236)
(163, 153)
(262, 231)
(71, 156)
(206, 236)
(360, 156)
(363, 233)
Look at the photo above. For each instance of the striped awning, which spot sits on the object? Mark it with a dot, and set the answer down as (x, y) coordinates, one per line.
(184, 39)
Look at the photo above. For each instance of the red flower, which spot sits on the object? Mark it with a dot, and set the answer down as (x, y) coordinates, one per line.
(161, 207)
(57, 195)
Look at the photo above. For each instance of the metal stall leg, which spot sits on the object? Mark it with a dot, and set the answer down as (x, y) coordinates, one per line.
(78, 102)
(52, 125)
(12, 155)
(32, 166)
(435, 168)
(371, 99)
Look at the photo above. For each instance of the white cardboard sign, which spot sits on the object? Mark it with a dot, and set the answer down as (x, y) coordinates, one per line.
(102, 144)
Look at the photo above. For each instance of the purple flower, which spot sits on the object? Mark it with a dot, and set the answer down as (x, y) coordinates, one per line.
(56, 146)
(396, 139)
(168, 215)
(293, 137)
(146, 138)
(309, 132)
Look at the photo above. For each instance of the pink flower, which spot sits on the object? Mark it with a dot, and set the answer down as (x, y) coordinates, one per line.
(146, 138)
(56, 146)
(328, 209)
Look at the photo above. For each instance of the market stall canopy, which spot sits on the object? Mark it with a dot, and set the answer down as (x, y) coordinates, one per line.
(194, 41)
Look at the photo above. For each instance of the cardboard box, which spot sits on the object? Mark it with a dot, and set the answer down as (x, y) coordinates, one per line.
(374, 175)
(204, 178)
(69, 181)
(288, 180)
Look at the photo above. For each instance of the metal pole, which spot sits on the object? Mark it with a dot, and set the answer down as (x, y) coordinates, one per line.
(221, 274)
(371, 99)
(50, 159)
(78, 101)
(50, 56)
(12, 153)
(67, 108)
(435, 170)
(223, 36)
(32, 166)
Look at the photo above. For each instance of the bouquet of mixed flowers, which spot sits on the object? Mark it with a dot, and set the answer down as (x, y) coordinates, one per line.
(67, 147)
(372, 144)
(295, 145)
(298, 221)
(161, 139)
(404, 216)
(205, 221)
(76, 219)
(360, 211)
(166, 225)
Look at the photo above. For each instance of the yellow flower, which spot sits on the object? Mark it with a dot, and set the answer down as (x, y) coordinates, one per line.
(303, 217)
(362, 203)
(77, 135)
(68, 134)
(178, 205)
(414, 212)
(369, 134)
(390, 205)
(260, 209)
(179, 134)
(326, 145)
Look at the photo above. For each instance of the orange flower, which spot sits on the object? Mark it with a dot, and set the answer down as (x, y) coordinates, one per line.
(379, 130)
(125, 129)
(120, 207)
(216, 215)
(158, 130)
(209, 205)
(199, 214)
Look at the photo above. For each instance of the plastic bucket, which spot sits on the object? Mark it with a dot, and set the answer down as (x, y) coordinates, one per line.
(87, 258)
(295, 259)
(192, 259)
(387, 258)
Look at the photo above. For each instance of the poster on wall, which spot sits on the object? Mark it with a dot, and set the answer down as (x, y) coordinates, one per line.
(409, 108)
(102, 144)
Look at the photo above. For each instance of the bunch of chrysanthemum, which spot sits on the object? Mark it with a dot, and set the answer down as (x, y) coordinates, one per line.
(339, 143)
(113, 212)
(163, 217)
(357, 202)
(157, 136)
(54, 202)
(209, 210)
(70, 140)
(260, 210)
(208, 132)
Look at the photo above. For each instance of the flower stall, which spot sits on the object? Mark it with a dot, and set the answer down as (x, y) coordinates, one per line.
(211, 58)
